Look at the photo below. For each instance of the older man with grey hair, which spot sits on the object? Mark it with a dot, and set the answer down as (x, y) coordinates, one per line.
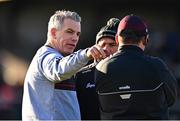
(49, 87)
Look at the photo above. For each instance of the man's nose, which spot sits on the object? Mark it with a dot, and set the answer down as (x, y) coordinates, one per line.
(106, 50)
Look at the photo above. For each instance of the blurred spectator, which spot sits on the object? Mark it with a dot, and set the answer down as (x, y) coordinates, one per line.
(167, 46)
(12, 70)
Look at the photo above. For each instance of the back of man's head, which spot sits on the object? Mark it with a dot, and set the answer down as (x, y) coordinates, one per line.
(132, 28)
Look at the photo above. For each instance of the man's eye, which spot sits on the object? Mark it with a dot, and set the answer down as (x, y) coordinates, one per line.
(69, 31)
(112, 45)
(78, 34)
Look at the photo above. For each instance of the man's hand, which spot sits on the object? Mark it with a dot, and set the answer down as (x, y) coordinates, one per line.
(96, 52)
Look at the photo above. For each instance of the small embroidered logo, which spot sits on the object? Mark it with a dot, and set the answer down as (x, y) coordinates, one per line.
(86, 71)
(124, 87)
(125, 96)
(89, 85)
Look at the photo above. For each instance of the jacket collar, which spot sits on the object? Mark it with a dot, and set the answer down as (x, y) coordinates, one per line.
(130, 48)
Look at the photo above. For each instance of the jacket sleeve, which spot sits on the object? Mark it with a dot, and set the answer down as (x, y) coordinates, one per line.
(170, 83)
(58, 68)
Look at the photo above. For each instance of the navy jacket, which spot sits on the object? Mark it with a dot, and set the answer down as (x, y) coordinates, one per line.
(86, 93)
(132, 85)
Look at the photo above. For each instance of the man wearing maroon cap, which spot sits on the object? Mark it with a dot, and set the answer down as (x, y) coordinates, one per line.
(130, 84)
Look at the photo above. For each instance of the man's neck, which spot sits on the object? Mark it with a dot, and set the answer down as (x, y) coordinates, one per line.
(140, 45)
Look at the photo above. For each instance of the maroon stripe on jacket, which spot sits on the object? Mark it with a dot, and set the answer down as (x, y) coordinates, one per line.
(66, 85)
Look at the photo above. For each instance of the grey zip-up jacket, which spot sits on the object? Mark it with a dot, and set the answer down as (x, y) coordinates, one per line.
(49, 91)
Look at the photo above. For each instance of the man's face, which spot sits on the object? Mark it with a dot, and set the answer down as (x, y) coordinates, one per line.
(68, 36)
(108, 44)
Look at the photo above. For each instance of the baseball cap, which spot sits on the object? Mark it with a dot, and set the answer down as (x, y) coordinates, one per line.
(132, 26)
(109, 30)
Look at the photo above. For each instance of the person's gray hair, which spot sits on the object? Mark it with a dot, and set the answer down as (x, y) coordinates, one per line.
(57, 19)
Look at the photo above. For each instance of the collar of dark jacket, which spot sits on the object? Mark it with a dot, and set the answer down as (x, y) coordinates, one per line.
(131, 48)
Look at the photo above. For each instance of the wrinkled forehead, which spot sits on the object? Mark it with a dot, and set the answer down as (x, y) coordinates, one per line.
(71, 24)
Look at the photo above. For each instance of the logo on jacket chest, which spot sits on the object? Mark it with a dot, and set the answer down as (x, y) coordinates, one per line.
(90, 85)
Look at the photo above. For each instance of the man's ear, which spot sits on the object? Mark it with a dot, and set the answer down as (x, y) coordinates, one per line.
(145, 40)
(53, 33)
(116, 38)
